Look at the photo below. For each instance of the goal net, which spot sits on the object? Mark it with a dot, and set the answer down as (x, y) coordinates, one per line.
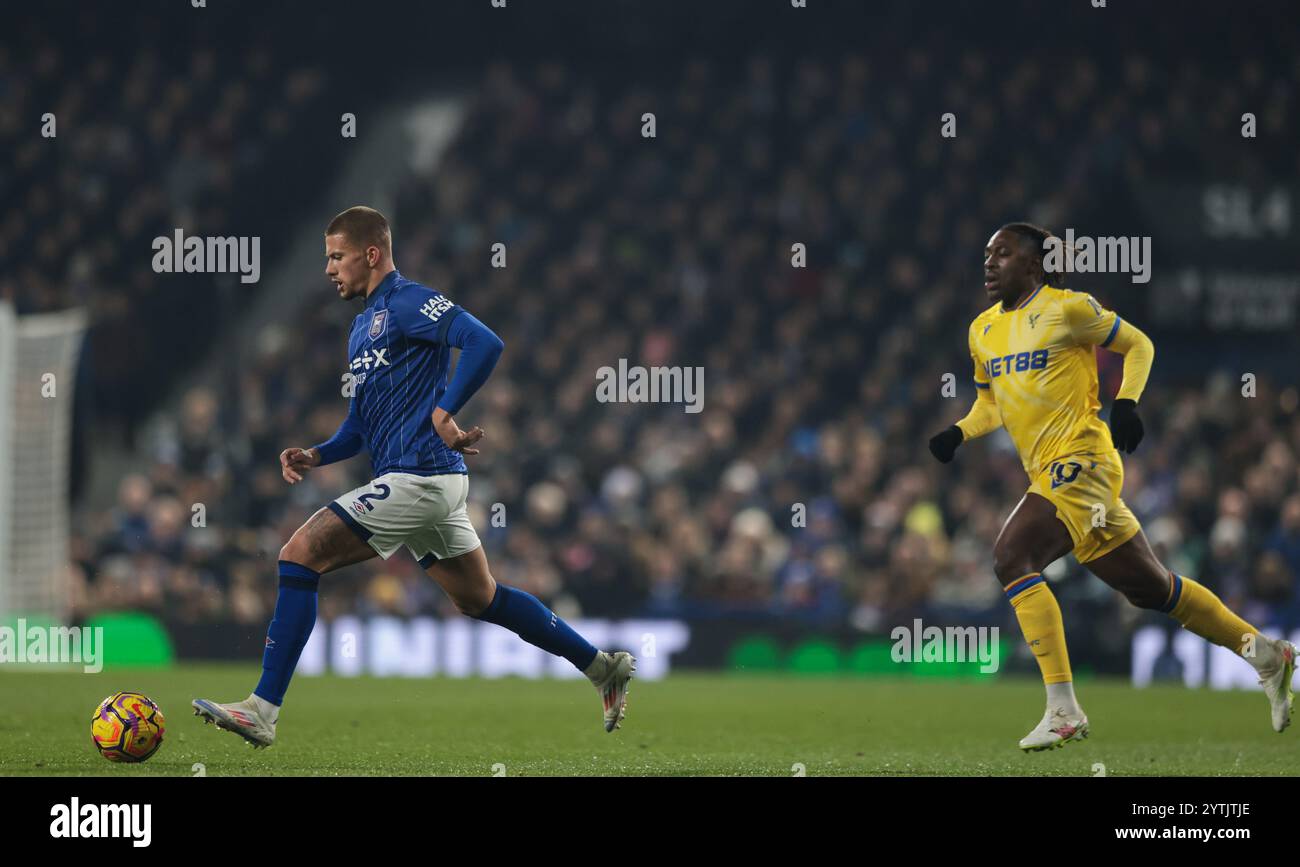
(38, 365)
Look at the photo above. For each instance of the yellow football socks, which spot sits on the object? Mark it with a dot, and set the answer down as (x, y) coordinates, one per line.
(1203, 613)
(1040, 620)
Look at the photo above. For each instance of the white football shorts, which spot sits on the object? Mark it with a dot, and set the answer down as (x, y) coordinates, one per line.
(425, 513)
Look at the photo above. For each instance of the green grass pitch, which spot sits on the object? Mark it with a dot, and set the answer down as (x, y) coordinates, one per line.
(689, 724)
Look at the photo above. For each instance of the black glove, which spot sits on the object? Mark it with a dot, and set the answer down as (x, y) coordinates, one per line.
(1125, 427)
(942, 445)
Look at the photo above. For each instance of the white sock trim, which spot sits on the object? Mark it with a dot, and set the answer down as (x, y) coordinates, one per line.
(1062, 695)
(598, 667)
(264, 707)
(1267, 654)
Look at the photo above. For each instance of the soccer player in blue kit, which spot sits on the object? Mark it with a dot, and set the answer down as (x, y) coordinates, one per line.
(403, 411)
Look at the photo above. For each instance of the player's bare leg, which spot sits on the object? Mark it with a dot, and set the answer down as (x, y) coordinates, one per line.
(1134, 570)
(324, 543)
(469, 582)
(1032, 538)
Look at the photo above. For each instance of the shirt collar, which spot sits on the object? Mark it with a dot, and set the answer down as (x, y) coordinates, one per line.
(1023, 304)
(389, 281)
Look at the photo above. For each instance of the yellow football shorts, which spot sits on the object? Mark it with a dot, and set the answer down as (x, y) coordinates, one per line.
(1086, 492)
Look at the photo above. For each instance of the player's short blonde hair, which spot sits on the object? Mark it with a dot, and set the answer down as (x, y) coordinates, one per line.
(364, 226)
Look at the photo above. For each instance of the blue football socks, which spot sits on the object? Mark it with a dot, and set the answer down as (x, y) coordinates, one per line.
(525, 615)
(295, 615)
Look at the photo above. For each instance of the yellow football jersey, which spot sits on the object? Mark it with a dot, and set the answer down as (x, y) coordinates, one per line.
(1040, 361)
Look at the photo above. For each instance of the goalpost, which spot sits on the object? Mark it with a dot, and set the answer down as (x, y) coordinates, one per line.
(38, 365)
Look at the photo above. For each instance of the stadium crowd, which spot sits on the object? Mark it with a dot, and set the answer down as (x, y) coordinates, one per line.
(109, 150)
(804, 489)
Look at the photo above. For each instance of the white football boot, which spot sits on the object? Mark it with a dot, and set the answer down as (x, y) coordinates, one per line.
(1058, 728)
(610, 673)
(1276, 680)
(243, 718)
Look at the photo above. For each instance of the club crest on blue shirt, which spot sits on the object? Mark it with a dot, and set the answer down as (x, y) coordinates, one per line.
(377, 323)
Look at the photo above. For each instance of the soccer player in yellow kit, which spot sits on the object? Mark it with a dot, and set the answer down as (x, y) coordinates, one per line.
(1036, 374)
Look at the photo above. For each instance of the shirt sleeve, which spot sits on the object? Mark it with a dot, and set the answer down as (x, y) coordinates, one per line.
(347, 440)
(1090, 324)
(1139, 354)
(479, 350)
(981, 375)
(984, 416)
(423, 314)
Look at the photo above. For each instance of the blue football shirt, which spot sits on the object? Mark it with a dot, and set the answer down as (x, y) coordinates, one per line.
(399, 359)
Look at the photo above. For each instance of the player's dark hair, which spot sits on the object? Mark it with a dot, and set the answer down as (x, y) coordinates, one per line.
(1035, 237)
(364, 226)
